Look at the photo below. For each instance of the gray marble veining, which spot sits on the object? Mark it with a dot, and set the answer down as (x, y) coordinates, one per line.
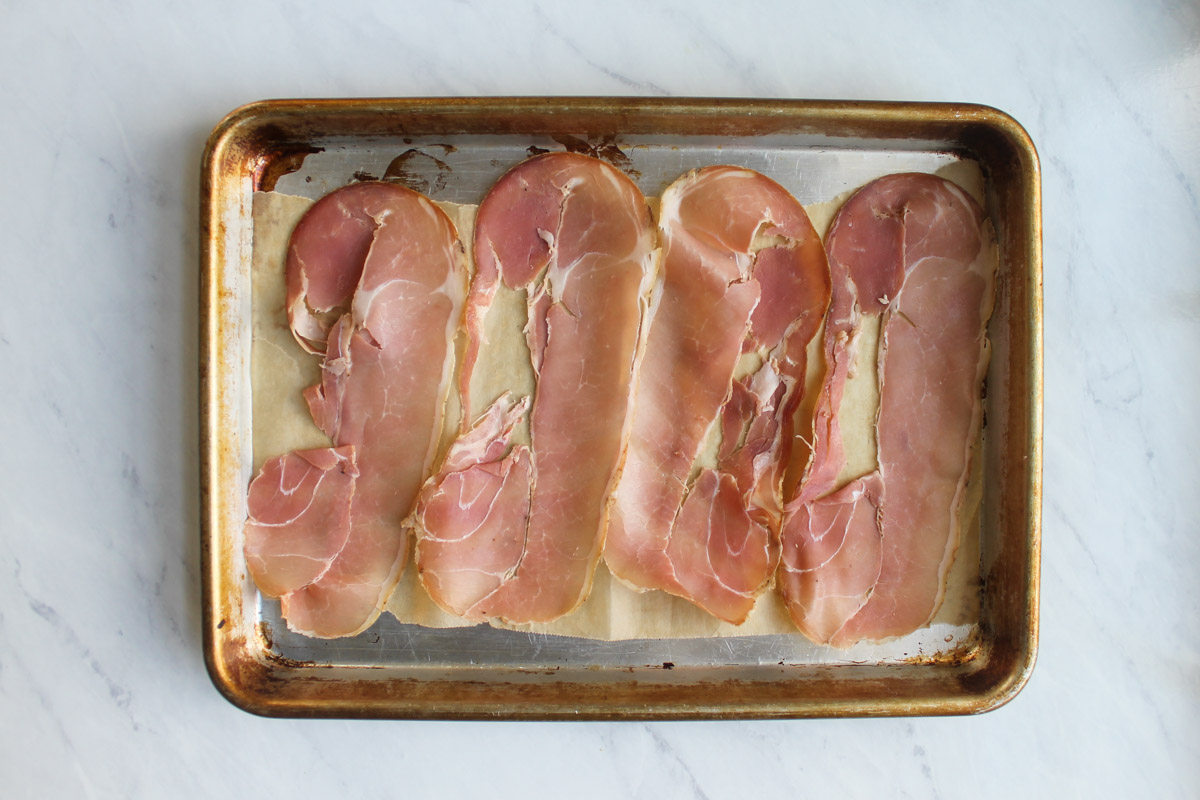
(106, 107)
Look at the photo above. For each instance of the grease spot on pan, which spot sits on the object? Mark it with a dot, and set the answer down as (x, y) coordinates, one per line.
(415, 169)
(420, 171)
(279, 160)
(605, 149)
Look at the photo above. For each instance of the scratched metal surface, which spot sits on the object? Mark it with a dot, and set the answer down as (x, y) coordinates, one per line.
(461, 169)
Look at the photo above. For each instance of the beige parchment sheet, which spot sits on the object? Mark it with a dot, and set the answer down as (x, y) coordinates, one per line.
(280, 371)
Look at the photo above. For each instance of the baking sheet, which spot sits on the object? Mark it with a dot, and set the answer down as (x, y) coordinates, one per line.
(455, 176)
(453, 149)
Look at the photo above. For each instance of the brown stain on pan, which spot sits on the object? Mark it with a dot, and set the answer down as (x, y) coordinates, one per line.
(965, 652)
(278, 157)
(605, 149)
(267, 642)
(419, 171)
(416, 169)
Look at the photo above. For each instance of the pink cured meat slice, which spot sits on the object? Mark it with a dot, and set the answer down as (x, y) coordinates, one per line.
(299, 506)
(377, 278)
(471, 510)
(711, 534)
(515, 531)
(911, 248)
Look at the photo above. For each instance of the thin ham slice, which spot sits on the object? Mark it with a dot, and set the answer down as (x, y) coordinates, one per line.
(745, 285)
(299, 517)
(511, 530)
(869, 560)
(377, 278)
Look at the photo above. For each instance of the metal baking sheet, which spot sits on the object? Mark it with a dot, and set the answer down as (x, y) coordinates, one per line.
(454, 150)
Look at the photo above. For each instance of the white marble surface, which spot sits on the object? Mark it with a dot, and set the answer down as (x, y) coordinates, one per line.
(104, 108)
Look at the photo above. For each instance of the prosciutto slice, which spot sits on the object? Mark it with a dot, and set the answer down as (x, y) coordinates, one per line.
(376, 279)
(299, 517)
(869, 560)
(513, 530)
(745, 285)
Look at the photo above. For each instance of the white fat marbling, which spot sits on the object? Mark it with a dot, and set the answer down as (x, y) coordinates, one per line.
(105, 109)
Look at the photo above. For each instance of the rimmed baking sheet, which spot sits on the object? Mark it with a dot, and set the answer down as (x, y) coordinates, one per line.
(975, 655)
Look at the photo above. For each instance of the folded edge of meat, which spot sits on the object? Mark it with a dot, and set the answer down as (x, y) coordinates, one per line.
(513, 530)
(377, 280)
(326, 253)
(745, 285)
(869, 561)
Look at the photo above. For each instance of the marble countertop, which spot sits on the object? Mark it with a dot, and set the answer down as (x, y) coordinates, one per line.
(106, 107)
